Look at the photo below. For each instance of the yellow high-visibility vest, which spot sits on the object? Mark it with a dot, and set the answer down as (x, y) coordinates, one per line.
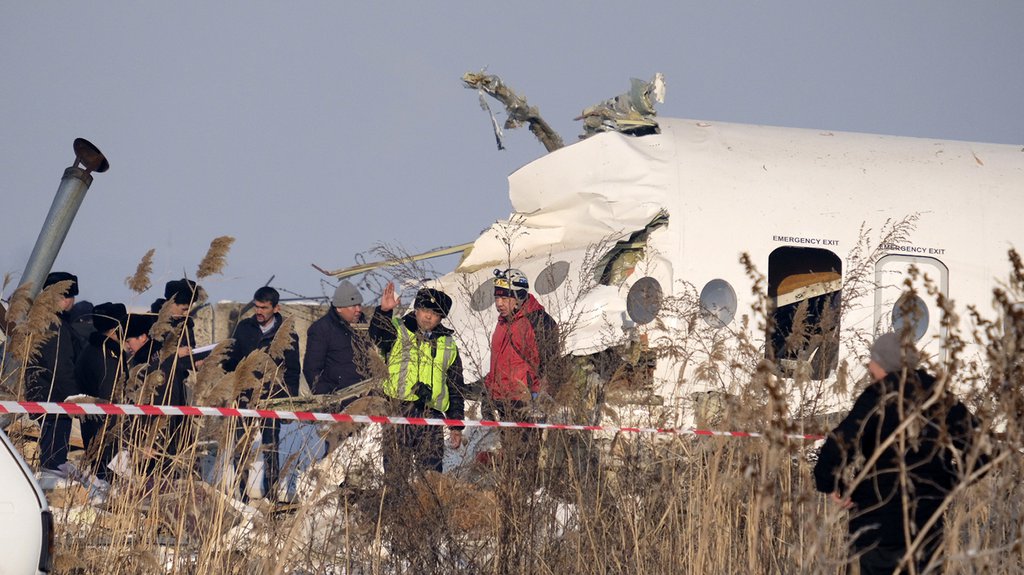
(413, 360)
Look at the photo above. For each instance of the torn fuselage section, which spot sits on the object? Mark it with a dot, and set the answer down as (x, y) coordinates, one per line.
(629, 113)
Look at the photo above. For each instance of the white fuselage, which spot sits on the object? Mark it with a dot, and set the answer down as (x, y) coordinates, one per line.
(817, 212)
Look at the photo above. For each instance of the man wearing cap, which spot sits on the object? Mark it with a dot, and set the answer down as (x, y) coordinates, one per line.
(524, 347)
(100, 371)
(50, 376)
(335, 354)
(80, 318)
(180, 298)
(424, 376)
(183, 296)
(906, 421)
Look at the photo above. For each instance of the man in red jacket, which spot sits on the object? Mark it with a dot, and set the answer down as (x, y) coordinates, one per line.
(524, 347)
(524, 350)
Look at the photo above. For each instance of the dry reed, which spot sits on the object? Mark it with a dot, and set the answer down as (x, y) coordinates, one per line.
(216, 257)
(140, 280)
(558, 502)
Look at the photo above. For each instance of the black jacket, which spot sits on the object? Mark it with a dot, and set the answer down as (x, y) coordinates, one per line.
(174, 370)
(101, 367)
(335, 355)
(51, 375)
(249, 337)
(929, 456)
(382, 333)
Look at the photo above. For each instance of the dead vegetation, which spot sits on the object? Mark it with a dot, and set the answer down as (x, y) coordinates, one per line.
(553, 502)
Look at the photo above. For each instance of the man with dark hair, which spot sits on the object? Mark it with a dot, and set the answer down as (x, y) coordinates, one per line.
(50, 376)
(100, 372)
(258, 332)
(899, 444)
(424, 375)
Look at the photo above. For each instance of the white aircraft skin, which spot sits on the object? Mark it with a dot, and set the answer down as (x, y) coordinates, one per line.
(730, 189)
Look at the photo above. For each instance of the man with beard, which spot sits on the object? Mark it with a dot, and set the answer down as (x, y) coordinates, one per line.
(258, 332)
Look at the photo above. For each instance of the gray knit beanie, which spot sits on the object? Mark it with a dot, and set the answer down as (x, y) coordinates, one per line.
(890, 354)
(346, 295)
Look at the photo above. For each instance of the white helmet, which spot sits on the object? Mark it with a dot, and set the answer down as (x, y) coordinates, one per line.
(511, 283)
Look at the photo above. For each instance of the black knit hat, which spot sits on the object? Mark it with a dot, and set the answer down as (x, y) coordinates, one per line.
(56, 277)
(434, 300)
(107, 316)
(182, 291)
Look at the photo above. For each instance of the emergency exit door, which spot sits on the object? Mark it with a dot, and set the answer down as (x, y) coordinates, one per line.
(896, 306)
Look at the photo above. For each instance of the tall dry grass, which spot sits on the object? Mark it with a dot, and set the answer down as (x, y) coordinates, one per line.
(552, 502)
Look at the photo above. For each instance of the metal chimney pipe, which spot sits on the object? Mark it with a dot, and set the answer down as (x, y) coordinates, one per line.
(73, 186)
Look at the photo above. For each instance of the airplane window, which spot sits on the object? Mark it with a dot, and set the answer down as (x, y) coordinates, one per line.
(551, 277)
(483, 297)
(910, 311)
(718, 303)
(643, 302)
(804, 298)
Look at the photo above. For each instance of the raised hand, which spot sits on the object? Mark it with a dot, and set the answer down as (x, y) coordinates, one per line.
(389, 301)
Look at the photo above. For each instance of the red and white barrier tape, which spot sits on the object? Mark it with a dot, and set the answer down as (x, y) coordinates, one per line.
(190, 411)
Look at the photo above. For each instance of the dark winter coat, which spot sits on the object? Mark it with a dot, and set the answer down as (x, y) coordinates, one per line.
(174, 369)
(383, 335)
(523, 351)
(188, 338)
(51, 375)
(929, 456)
(101, 367)
(335, 355)
(249, 337)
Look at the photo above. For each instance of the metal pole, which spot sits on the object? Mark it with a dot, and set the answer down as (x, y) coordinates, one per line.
(73, 186)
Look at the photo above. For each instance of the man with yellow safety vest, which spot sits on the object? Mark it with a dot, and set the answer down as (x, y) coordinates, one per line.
(424, 376)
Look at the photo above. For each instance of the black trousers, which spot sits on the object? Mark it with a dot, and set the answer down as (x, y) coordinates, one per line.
(54, 441)
(883, 559)
(521, 445)
(413, 447)
(99, 442)
(270, 436)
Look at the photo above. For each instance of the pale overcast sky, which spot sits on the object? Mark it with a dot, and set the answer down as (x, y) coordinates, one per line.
(312, 131)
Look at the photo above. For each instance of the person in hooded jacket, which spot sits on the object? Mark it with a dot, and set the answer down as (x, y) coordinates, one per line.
(424, 376)
(524, 347)
(100, 371)
(905, 422)
(50, 376)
